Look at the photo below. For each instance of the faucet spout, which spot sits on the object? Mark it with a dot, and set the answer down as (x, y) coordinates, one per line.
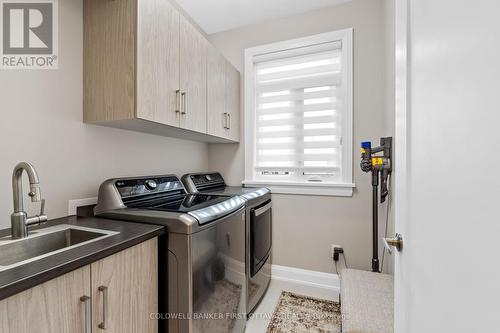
(17, 185)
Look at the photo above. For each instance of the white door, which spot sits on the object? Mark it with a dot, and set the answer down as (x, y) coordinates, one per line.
(447, 186)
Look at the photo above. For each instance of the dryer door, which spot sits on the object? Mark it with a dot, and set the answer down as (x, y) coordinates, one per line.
(260, 236)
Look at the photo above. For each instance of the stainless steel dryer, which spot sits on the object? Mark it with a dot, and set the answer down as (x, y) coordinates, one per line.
(258, 228)
(202, 281)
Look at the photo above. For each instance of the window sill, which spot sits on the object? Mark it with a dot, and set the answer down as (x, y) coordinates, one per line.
(299, 188)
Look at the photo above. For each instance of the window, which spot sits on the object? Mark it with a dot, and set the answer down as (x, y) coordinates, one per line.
(298, 115)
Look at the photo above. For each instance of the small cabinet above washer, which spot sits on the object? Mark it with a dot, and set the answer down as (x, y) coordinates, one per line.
(223, 97)
(148, 69)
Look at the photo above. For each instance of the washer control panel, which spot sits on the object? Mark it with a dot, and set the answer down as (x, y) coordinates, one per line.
(135, 187)
(203, 181)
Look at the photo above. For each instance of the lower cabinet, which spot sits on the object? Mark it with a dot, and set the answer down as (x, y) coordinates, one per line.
(53, 306)
(116, 294)
(125, 290)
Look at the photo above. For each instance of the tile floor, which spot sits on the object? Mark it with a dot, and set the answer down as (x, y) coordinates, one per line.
(261, 316)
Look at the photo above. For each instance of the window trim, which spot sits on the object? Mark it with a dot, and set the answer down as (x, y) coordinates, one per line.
(343, 188)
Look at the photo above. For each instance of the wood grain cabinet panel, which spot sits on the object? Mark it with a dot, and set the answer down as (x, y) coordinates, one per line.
(109, 37)
(223, 97)
(193, 57)
(216, 93)
(233, 102)
(131, 279)
(158, 62)
(148, 69)
(52, 307)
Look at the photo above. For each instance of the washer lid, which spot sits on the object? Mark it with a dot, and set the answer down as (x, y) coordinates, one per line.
(214, 212)
(203, 207)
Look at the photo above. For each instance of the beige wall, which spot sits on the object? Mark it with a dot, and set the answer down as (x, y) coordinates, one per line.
(305, 226)
(41, 122)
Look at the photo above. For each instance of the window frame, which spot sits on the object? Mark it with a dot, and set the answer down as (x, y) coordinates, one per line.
(339, 188)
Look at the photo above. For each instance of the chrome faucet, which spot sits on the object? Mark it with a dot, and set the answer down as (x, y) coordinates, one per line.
(19, 219)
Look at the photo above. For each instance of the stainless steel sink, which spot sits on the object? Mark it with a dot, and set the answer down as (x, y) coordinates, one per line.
(46, 242)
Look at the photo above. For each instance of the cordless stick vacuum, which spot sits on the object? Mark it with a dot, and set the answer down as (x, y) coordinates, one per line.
(378, 161)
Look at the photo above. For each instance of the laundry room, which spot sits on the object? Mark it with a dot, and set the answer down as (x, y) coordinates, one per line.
(237, 166)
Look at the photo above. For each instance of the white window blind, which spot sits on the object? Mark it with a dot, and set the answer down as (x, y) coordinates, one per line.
(298, 114)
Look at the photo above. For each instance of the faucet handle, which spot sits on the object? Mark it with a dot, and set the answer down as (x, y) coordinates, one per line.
(40, 218)
(42, 207)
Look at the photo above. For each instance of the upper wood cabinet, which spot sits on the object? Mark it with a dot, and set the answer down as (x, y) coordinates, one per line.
(147, 68)
(216, 73)
(109, 60)
(193, 66)
(223, 97)
(233, 102)
(158, 59)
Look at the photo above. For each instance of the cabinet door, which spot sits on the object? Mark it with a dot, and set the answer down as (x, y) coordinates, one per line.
(109, 38)
(193, 69)
(233, 102)
(52, 307)
(131, 294)
(158, 62)
(216, 93)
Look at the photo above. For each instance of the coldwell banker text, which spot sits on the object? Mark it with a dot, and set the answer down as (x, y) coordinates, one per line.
(29, 34)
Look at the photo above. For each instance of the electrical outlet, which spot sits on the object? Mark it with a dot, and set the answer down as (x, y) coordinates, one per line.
(332, 250)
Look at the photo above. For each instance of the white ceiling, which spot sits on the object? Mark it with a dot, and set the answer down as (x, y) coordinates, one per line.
(220, 15)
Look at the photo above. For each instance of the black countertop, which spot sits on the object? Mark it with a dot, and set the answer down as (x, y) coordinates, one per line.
(20, 278)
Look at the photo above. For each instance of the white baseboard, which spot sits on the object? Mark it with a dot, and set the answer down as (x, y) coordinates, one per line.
(302, 276)
(74, 204)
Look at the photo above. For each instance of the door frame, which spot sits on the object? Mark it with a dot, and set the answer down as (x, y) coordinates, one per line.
(401, 147)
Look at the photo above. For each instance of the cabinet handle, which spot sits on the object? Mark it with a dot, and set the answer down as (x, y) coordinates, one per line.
(88, 308)
(104, 290)
(184, 104)
(228, 121)
(177, 101)
(225, 120)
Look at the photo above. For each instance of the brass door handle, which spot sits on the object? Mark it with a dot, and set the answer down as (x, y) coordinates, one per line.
(396, 242)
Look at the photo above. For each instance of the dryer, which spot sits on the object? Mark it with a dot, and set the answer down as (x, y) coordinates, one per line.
(258, 228)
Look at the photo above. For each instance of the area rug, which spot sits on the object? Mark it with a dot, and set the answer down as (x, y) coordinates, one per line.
(300, 314)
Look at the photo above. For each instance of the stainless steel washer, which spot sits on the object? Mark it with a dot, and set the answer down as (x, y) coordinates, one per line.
(202, 280)
(258, 228)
